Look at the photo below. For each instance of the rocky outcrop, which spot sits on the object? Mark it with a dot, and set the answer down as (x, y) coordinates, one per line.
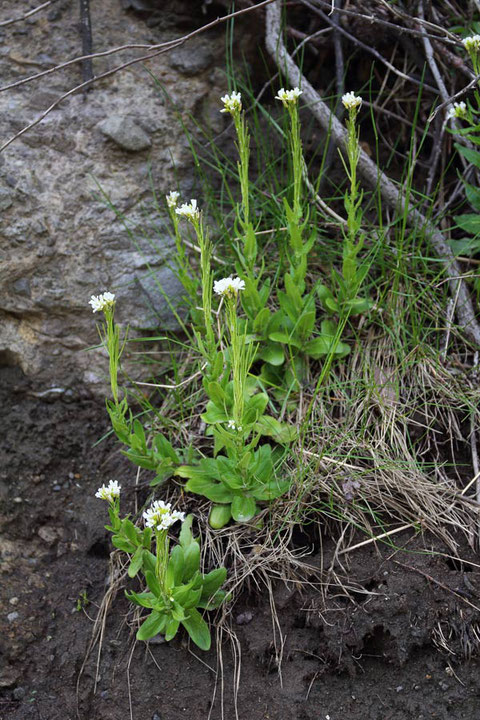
(77, 215)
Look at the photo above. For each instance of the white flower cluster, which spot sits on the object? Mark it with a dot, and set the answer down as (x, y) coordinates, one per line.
(190, 211)
(232, 103)
(172, 198)
(109, 492)
(472, 43)
(288, 97)
(351, 101)
(232, 426)
(102, 302)
(228, 286)
(160, 515)
(457, 110)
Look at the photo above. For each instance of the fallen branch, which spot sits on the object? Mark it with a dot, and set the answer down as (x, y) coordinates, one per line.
(371, 172)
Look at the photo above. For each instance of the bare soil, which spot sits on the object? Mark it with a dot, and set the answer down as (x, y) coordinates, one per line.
(374, 652)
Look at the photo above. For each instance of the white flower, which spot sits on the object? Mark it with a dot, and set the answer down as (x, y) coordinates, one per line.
(233, 103)
(191, 212)
(102, 302)
(160, 515)
(228, 286)
(172, 198)
(351, 101)
(232, 426)
(288, 96)
(472, 43)
(109, 492)
(457, 110)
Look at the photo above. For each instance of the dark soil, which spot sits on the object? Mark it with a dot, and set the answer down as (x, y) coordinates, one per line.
(372, 655)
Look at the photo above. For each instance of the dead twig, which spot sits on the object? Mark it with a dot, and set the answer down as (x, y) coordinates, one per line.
(26, 15)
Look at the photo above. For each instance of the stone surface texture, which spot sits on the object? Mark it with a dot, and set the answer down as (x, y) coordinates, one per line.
(76, 211)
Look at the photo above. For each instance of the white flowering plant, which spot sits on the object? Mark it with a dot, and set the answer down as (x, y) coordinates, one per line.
(464, 120)
(240, 475)
(176, 589)
(343, 297)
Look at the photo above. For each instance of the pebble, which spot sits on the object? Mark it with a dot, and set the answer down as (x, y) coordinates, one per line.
(19, 693)
(56, 488)
(156, 716)
(11, 617)
(13, 601)
(399, 688)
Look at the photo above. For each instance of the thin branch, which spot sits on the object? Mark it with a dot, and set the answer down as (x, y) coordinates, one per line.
(163, 47)
(170, 44)
(26, 15)
(368, 48)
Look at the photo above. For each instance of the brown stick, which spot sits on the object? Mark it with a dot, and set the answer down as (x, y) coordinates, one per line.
(370, 171)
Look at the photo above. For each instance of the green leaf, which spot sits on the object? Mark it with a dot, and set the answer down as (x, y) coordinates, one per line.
(271, 490)
(212, 490)
(243, 508)
(123, 544)
(145, 599)
(186, 538)
(214, 414)
(171, 629)
(261, 321)
(272, 353)
(149, 561)
(285, 339)
(470, 223)
(473, 195)
(331, 304)
(306, 324)
(130, 531)
(219, 516)
(153, 625)
(192, 561)
(471, 155)
(142, 460)
(217, 394)
(280, 432)
(212, 581)
(198, 630)
(293, 293)
(136, 562)
(153, 583)
(165, 449)
(176, 565)
(139, 432)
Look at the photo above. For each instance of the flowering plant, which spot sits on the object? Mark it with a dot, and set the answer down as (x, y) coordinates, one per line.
(176, 589)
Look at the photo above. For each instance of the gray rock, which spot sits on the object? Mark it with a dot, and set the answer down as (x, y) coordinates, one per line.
(126, 133)
(19, 693)
(191, 59)
(12, 616)
(60, 239)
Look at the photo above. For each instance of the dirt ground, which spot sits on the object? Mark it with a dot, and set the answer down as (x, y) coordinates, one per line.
(377, 654)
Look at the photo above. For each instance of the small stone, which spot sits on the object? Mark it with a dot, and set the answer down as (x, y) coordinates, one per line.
(125, 133)
(56, 488)
(244, 618)
(11, 617)
(13, 601)
(17, 499)
(156, 716)
(19, 693)
(399, 688)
